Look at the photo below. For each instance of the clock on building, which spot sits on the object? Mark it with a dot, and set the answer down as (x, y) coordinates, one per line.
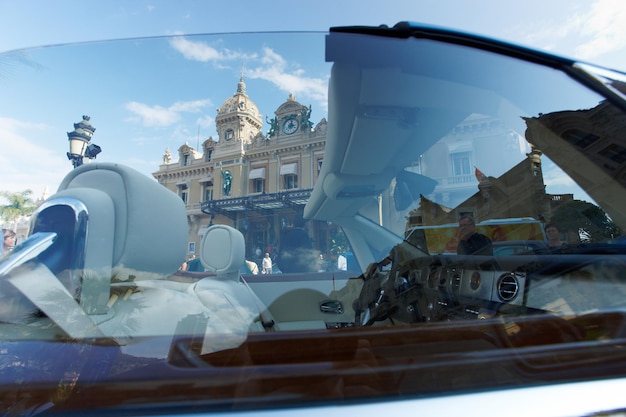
(291, 125)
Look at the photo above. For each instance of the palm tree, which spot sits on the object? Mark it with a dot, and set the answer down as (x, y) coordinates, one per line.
(19, 204)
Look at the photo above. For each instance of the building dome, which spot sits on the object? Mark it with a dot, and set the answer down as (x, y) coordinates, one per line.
(239, 102)
(290, 105)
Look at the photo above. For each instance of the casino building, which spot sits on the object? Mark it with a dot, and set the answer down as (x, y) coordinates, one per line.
(256, 182)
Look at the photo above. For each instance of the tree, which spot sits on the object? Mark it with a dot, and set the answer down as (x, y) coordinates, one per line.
(19, 204)
(338, 242)
(586, 220)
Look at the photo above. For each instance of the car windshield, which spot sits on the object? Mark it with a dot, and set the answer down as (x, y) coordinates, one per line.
(260, 220)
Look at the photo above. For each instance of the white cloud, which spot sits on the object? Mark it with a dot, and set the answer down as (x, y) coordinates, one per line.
(558, 182)
(26, 164)
(605, 27)
(190, 106)
(274, 69)
(182, 134)
(158, 116)
(587, 33)
(145, 166)
(200, 51)
(557, 178)
(205, 121)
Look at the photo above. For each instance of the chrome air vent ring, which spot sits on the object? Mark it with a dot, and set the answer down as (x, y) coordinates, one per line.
(454, 277)
(507, 287)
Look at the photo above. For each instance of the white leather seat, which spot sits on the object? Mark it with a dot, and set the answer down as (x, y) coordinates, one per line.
(113, 224)
(223, 251)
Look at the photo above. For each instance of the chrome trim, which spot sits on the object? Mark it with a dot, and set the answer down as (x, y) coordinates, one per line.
(507, 287)
(26, 251)
(331, 306)
(78, 236)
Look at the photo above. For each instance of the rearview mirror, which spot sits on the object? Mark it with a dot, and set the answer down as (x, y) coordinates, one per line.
(409, 187)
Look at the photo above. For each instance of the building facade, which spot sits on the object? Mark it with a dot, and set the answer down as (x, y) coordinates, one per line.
(256, 182)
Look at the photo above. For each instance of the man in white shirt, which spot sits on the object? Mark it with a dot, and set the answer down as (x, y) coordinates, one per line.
(267, 264)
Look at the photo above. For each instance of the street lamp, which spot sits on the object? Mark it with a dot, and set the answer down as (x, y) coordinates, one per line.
(79, 142)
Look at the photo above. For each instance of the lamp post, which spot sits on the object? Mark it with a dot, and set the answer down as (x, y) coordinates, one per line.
(80, 145)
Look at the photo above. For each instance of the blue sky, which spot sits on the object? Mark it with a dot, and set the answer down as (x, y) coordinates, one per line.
(33, 138)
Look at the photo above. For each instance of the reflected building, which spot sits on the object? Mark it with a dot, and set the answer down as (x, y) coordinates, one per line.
(518, 193)
(501, 193)
(580, 141)
(477, 142)
(588, 145)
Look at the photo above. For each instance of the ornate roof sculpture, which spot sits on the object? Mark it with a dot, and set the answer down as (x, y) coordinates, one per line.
(290, 118)
(238, 119)
(239, 102)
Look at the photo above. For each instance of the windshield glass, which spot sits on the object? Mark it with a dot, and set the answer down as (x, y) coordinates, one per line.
(296, 218)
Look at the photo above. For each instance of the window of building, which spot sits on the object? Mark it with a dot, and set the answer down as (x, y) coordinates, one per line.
(290, 181)
(416, 220)
(258, 185)
(185, 160)
(289, 172)
(207, 155)
(229, 134)
(256, 173)
(461, 163)
(257, 179)
(580, 138)
(183, 192)
(208, 193)
(615, 153)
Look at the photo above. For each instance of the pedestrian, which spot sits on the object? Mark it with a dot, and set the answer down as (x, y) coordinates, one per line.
(472, 242)
(9, 241)
(296, 249)
(554, 235)
(267, 264)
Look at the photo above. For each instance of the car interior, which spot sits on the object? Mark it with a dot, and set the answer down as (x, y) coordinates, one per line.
(101, 265)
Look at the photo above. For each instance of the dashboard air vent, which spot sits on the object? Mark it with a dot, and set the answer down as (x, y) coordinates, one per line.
(507, 287)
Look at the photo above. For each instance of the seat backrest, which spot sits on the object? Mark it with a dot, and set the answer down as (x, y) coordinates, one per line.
(113, 223)
(223, 251)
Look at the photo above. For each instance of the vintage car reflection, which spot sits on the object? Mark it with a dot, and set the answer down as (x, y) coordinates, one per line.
(424, 126)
